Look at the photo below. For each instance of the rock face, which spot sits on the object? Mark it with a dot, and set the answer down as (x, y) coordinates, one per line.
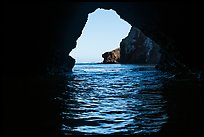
(112, 57)
(136, 48)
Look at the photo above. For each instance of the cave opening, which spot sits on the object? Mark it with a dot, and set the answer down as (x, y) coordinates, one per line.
(102, 32)
(107, 38)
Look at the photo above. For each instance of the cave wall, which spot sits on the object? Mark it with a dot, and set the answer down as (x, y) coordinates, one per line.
(40, 35)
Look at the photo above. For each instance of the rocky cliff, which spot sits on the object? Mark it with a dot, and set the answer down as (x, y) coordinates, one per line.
(137, 48)
(112, 56)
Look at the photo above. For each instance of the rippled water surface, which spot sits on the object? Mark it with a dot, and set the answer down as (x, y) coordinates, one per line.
(113, 99)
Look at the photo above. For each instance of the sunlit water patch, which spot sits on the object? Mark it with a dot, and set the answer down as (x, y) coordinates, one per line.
(113, 99)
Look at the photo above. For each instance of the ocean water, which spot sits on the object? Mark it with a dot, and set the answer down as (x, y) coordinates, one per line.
(113, 99)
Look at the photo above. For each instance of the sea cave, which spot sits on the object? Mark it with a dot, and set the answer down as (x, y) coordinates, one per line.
(158, 91)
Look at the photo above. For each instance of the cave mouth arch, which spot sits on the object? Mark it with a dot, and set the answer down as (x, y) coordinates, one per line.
(102, 32)
(119, 41)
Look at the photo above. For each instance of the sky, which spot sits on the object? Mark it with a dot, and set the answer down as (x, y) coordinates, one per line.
(104, 30)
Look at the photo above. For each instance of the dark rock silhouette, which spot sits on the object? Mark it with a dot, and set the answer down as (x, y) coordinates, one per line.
(136, 48)
(112, 56)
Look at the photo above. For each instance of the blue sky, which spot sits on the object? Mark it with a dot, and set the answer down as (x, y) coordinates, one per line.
(103, 32)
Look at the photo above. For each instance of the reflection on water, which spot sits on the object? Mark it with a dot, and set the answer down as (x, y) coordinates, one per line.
(113, 99)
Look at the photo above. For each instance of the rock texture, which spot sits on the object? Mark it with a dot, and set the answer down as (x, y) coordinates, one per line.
(137, 48)
(112, 56)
